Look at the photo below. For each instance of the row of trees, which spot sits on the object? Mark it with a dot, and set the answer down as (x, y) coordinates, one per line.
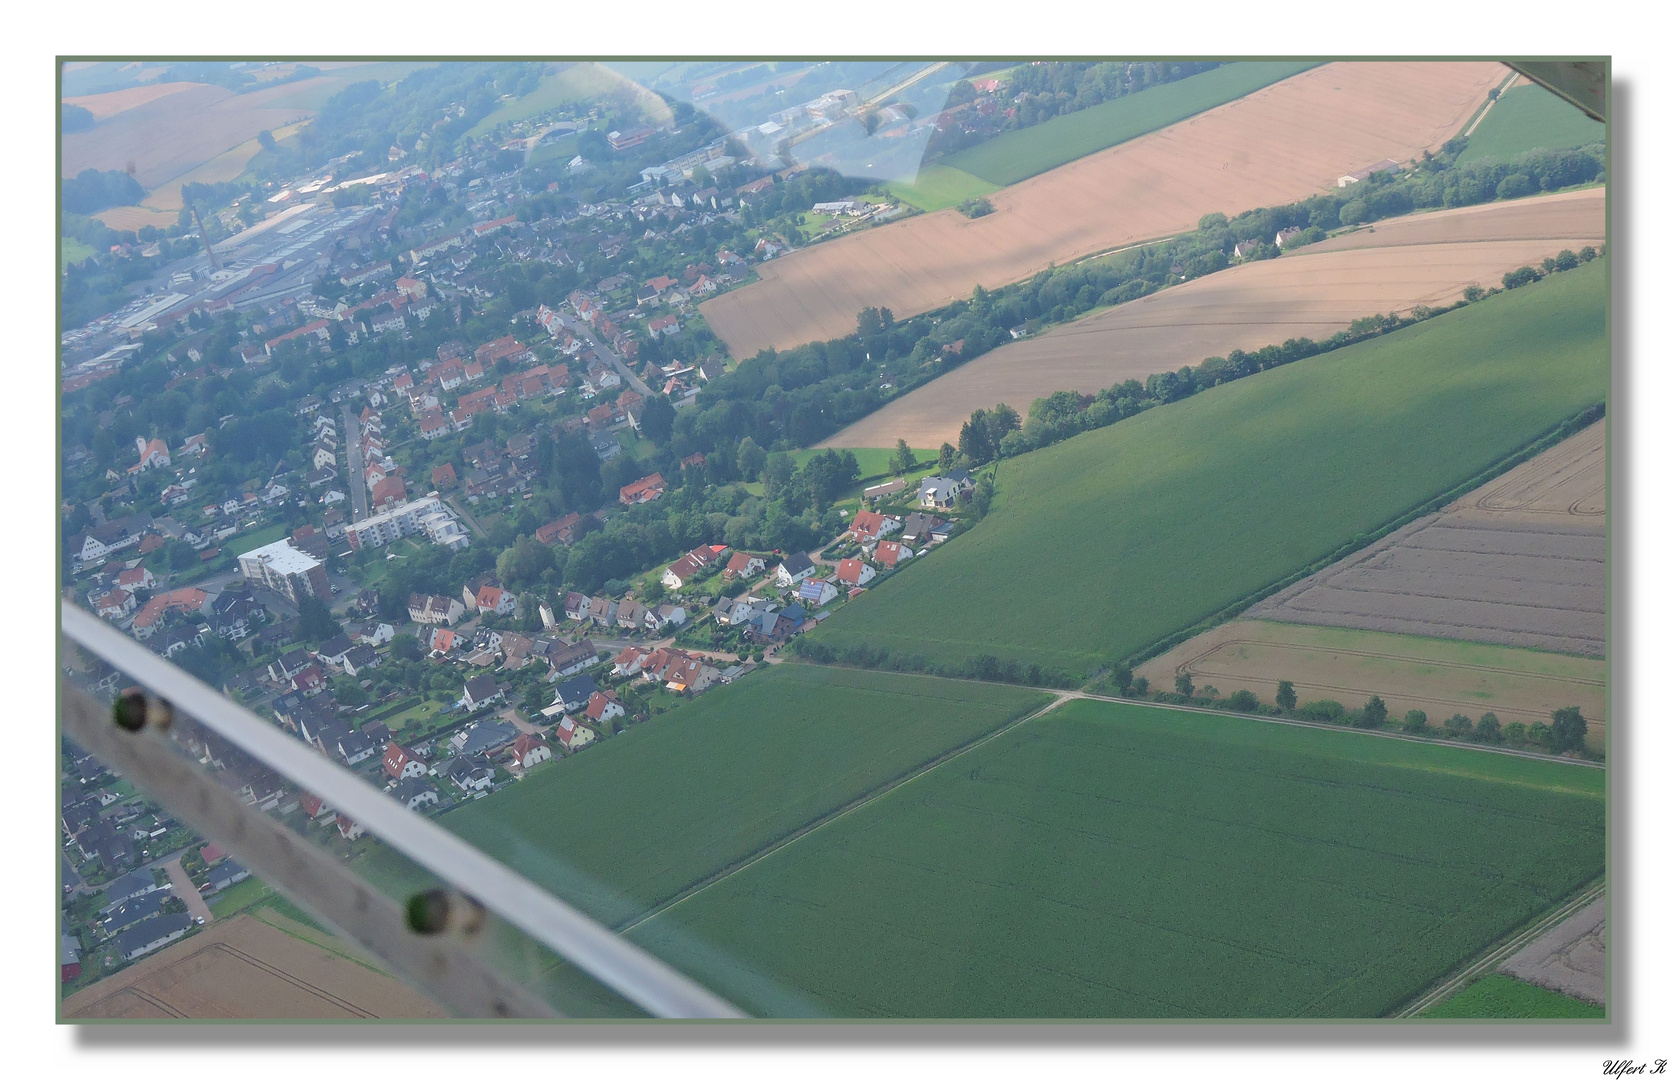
(1565, 734)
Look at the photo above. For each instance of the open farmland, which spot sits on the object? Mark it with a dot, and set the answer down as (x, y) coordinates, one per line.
(636, 819)
(1500, 997)
(1312, 292)
(1109, 542)
(1276, 145)
(168, 135)
(1520, 561)
(1018, 155)
(1438, 676)
(1529, 117)
(1116, 860)
(245, 969)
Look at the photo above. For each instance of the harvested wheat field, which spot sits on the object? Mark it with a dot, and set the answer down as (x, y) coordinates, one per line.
(1277, 145)
(168, 137)
(245, 969)
(1438, 676)
(1313, 292)
(104, 106)
(1520, 561)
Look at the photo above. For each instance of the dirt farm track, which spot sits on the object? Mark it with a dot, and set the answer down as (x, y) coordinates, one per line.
(1283, 143)
(1313, 292)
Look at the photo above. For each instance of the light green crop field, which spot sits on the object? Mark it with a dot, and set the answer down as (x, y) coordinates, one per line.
(1502, 997)
(1529, 117)
(71, 250)
(938, 186)
(637, 818)
(1109, 542)
(1116, 860)
(1018, 155)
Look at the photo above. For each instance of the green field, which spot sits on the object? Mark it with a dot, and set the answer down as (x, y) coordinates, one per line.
(258, 538)
(1502, 997)
(938, 186)
(1529, 117)
(637, 818)
(71, 250)
(1106, 543)
(573, 84)
(1117, 860)
(1018, 155)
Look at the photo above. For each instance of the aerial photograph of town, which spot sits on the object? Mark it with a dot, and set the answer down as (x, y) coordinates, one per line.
(848, 539)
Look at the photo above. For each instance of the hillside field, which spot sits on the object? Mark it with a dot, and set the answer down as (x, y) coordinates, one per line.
(938, 186)
(1502, 997)
(635, 819)
(1108, 542)
(1018, 155)
(1312, 292)
(1115, 860)
(1282, 143)
(1529, 117)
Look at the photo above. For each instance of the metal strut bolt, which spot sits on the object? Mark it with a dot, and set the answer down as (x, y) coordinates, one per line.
(130, 709)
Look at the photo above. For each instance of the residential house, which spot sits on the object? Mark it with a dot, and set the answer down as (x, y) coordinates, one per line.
(576, 606)
(941, 492)
(574, 693)
(743, 565)
(482, 691)
(647, 489)
(794, 569)
(603, 706)
(917, 528)
(853, 573)
(400, 764)
(151, 934)
(888, 553)
(359, 659)
(484, 737)
(415, 793)
(868, 527)
(818, 593)
(528, 751)
(573, 735)
(559, 531)
(433, 610)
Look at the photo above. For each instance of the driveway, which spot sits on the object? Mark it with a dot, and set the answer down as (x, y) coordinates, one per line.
(619, 365)
(185, 890)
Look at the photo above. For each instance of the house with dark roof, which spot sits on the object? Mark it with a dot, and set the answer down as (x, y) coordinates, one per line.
(794, 569)
(574, 693)
(481, 691)
(151, 934)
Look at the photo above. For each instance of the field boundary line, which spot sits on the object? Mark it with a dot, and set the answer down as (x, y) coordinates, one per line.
(1293, 722)
(1388, 656)
(1501, 950)
(1059, 698)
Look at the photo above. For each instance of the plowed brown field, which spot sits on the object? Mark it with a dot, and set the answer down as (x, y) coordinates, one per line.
(1521, 560)
(244, 969)
(1277, 145)
(1313, 292)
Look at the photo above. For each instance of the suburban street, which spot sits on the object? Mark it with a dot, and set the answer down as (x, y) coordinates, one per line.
(355, 465)
(608, 354)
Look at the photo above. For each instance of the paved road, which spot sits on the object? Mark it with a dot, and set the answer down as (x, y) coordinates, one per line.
(185, 890)
(608, 354)
(355, 465)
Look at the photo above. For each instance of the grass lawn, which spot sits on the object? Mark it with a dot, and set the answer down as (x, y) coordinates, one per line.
(1115, 860)
(1529, 117)
(416, 713)
(1502, 997)
(260, 537)
(637, 818)
(1107, 543)
(71, 250)
(938, 186)
(1018, 155)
